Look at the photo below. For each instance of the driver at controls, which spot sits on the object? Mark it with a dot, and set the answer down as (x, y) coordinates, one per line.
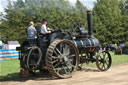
(44, 29)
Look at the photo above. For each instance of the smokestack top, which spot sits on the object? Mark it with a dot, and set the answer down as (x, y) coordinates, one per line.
(89, 12)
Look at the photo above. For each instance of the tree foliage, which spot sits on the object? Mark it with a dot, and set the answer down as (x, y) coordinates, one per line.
(59, 13)
(108, 21)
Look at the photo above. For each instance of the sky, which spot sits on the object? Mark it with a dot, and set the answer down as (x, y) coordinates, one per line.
(87, 3)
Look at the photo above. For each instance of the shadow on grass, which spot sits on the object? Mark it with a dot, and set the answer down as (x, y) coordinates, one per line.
(17, 77)
(11, 77)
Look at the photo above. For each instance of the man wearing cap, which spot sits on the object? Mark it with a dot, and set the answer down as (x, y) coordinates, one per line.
(31, 31)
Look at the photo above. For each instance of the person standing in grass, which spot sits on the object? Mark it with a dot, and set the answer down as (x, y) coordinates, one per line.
(115, 46)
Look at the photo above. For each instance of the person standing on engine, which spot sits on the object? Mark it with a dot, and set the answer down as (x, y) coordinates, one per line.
(31, 31)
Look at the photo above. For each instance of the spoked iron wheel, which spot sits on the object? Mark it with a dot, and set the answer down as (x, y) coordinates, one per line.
(103, 61)
(62, 58)
(33, 59)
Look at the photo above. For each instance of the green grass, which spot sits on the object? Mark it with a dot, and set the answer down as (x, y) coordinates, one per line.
(119, 59)
(9, 66)
(10, 69)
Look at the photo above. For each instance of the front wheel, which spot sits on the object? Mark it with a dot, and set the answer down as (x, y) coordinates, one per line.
(103, 60)
(62, 58)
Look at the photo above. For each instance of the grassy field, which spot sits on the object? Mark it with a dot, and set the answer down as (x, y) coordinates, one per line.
(119, 59)
(10, 69)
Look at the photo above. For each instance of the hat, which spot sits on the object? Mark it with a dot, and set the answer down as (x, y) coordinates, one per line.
(44, 20)
(31, 23)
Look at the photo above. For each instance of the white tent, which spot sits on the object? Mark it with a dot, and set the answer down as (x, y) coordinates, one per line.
(1, 44)
(13, 44)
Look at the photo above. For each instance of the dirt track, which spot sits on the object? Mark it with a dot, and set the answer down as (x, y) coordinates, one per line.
(116, 75)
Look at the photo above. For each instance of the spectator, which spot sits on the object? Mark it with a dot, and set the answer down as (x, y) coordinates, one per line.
(115, 46)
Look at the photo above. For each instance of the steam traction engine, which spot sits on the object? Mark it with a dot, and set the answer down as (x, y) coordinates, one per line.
(62, 52)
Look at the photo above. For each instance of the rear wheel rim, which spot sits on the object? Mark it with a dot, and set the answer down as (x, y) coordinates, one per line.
(62, 58)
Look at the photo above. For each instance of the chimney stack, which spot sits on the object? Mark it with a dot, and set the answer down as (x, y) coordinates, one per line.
(89, 18)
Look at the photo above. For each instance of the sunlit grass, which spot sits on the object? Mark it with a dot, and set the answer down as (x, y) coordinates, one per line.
(119, 59)
(9, 68)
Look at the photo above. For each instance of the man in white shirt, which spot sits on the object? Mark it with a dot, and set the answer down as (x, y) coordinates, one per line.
(44, 29)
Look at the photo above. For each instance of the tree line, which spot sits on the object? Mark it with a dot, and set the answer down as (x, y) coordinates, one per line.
(110, 18)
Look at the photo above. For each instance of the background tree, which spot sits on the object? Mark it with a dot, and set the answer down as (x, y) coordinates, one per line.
(110, 18)
(81, 9)
(123, 6)
(124, 10)
(107, 21)
(59, 13)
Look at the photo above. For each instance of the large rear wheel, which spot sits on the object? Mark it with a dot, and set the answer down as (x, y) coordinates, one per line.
(62, 58)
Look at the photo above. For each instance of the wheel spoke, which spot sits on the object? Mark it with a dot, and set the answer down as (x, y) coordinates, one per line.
(58, 51)
(54, 57)
(68, 68)
(107, 58)
(70, 64)
(55, 61)
(61, 47)
(100, 63)
(64, 69)
(106, 63)
(102, 66)
(100, 57)
(55, 53)
(57, 64)
(66, 50)
(71, 56)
